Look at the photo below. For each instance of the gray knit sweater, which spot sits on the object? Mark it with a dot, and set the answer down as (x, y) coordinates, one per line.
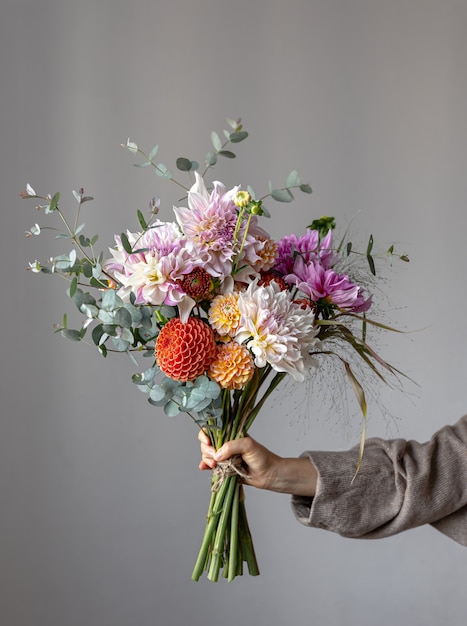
(401, 484)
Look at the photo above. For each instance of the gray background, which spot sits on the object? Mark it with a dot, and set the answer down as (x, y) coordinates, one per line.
(102, 504)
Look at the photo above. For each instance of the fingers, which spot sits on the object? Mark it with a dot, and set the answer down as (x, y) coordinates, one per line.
(207, 452)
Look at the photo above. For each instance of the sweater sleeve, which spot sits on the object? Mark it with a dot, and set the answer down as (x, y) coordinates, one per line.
(401, 484)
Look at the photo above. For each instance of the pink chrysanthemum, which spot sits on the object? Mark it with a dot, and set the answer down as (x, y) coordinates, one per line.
(232, 367)
(308, 247)
(184, 350)
(326, 285)
(224, 314)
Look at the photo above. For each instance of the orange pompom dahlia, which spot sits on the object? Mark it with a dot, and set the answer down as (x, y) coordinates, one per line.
(184, 350)
(232, 366)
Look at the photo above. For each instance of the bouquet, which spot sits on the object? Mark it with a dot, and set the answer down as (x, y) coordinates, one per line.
(221, 312)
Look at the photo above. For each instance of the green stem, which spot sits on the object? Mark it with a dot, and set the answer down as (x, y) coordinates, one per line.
(233, 547)
(214, 511)
(218, 547)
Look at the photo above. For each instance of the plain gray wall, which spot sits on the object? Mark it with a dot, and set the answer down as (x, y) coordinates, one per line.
(102, 505)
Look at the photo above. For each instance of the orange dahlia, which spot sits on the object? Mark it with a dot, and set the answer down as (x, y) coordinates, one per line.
(184, 351)
(224, 314)
(232, 366)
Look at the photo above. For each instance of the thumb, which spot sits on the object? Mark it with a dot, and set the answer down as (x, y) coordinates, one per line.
(232, 448)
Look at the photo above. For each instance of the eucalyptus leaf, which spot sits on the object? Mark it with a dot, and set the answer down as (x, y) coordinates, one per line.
(90, 310)
(157, 393)
(120, 344)
(97, 271)
(123, 318)
(171, 409)
(306, 188)
(293, 179)
(227, 154)
(183, 164)
(74, 335)
(210, 159)
(111, 301)
(282, 195)
(73, 287)
(97, 333)
(216, 141)
(153, 153)
(238, 136)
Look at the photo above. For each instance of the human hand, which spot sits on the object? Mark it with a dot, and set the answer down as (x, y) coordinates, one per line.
(263, 468)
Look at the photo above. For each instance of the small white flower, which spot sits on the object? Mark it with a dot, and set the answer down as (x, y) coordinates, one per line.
(35, 267)
(35, 230)
(30, 191)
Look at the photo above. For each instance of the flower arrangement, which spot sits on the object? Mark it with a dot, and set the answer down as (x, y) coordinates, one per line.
(222, 312)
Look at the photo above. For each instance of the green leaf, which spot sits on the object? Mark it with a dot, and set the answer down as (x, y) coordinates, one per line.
(53, 206)
(153, 153)
(210, 159)
(123, 318)
(293, 179)
(216, 141)
(282, 195)
(141, 220)
(73, 286)
(183, 164)
(97, 271)
(143, 164)
(110, 301)
(171, 409)
(126, 244)
(349, 248)
(227, 154)
(161, 170)
(74, 335)
(306, 188)
(97, 333)
(238, 136)
(370, 245)
(371, 263)
(157, 393)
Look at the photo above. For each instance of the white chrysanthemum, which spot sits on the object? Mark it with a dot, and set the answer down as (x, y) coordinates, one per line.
(276, 330)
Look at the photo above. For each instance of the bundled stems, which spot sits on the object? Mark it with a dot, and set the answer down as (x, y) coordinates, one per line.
(227, 541)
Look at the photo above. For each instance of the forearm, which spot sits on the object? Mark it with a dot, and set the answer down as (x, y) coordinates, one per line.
(295, 476)
(401, 485)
